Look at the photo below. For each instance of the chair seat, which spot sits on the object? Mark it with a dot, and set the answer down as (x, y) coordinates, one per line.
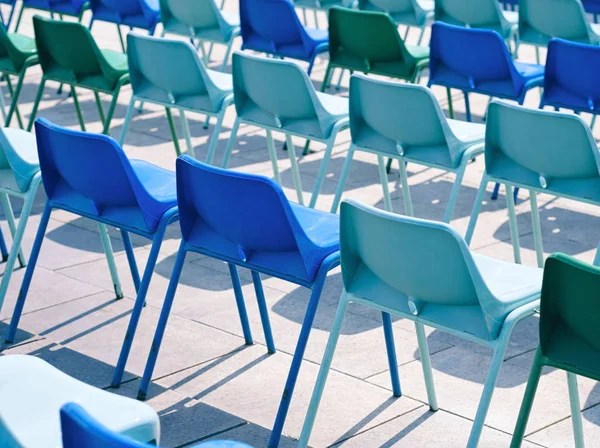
(117, 60)
(530, 71)
(558, 96)
(418, 52)
(25, 44)
(32, 393)
(337, 107)
(20, 148)
(467, 132)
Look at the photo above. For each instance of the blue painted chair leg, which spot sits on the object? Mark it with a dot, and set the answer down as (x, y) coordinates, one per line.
(516, 194)
(162, 323)
(495, 192)
(35, 252)
(467, 106)
(391, 353)
(135, 273)
(264, 312)
(3, 248)
(239, 301)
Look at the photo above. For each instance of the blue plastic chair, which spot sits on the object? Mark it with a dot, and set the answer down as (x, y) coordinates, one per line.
(247, 221)
(279, 96)
(74, 8)
(81, 430)
(418, 132)
(543, 151)
(89, 175)
(170, 73)
(273, 27)
(423, 271)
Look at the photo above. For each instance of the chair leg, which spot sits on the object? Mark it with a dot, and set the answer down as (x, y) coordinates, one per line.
(422, 34)
(127, 121)
(537, 54)
(450, 105)
(593, 122)
(239, 301)
(121, 39)
(313, 407)
(111, 110)
(135, 273)
(406, 33)
(455, 190)
(496, 191)
(264, 312)
(339, 81)
(214, 139)
(162, 323)
(391, 353)
(575, 410)
(173, 131)
(14, 94)
(110, 259)
(322, 172)
(99, 106)
(343, 176)
(405, 189)
(186, 133)
(387, 200)
(537, 229)
(273, 156)
(295, 170)
(328, 72)
(35, 252)
(3, 248)
(476, 209)
(227, 53)
(10, 218)
(36, 103)
(78, 109)
(304, 17)
(10, 16)
(512, 221)
(467, 106)
(19, 17)
(426, 365)
(230, 144)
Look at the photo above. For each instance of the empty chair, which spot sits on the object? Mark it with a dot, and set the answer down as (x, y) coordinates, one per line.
(273, 27)
(202, 21)
(279, 96)
(368, 42)
(74, 8)
(89, 175)
(405, 122)
(547, 152)
(423, 271)
(170, 73)
(568, 332)
(69, 54)
(32, 393)
(245, 220)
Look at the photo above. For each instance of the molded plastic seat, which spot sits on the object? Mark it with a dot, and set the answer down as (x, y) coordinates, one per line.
(144, 14)
(32, 393)
(542, 151)
(170, 73)
(568, 334)
(418, 132)
(279, 96)
(90, 175)
(423, 271)
(272, 27)
(246, 220)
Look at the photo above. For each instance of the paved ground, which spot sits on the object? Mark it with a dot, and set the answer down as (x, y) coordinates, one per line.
(207, 384)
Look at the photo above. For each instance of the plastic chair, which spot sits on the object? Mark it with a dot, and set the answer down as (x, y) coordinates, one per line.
(368, 42)
(89, 175)
(19, 177)
(273, 27)
(81, 430)
(248, 222)
(170, 73)
(568, 334)
(201, 21)
(73, 8)
(279, 96)
(32, 392)
(540, 21)
(69, 55)
(411, 13)
(547, 152)
(17, 54)
(143, 14)
(389, 262)
(418, 132)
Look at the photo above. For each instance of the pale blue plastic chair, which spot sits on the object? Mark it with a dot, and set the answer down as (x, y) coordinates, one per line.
(544, 152)
(279, 96)
(73, 8)
(170, 73)
(89, 175)
(423, 271)
(417, 132)
(245, 220)
(201, 21)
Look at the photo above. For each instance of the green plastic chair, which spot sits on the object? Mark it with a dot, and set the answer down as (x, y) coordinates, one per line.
(417, 132)
(569, 338)
(170, 73)
(423, 271)
(69, 55)
(278, 95)
(17, 54)
(542, 20)
(542, 151)
(368, 42)
(201, 21)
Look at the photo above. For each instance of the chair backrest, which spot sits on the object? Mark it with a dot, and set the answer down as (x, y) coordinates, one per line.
(571, 75)
(13, 59)
(570, 311)
(123, 8)
(399, 118)
(195, 15)
(277, 93)
(536, 147)
(389, 6)
(472, 13)
(541, 20)
(18, 152)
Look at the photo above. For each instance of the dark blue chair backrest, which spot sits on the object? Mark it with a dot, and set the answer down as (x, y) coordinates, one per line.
(122, 7)
(274, 21)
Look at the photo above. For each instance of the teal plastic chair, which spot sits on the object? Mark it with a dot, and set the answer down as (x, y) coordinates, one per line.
(279, 96)
(170, 73)
(569, 338)
(410, 13)
(418, 132)
(542, 151)
(201, 21)
(541, 20)
(19, 177)
(423, 271)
